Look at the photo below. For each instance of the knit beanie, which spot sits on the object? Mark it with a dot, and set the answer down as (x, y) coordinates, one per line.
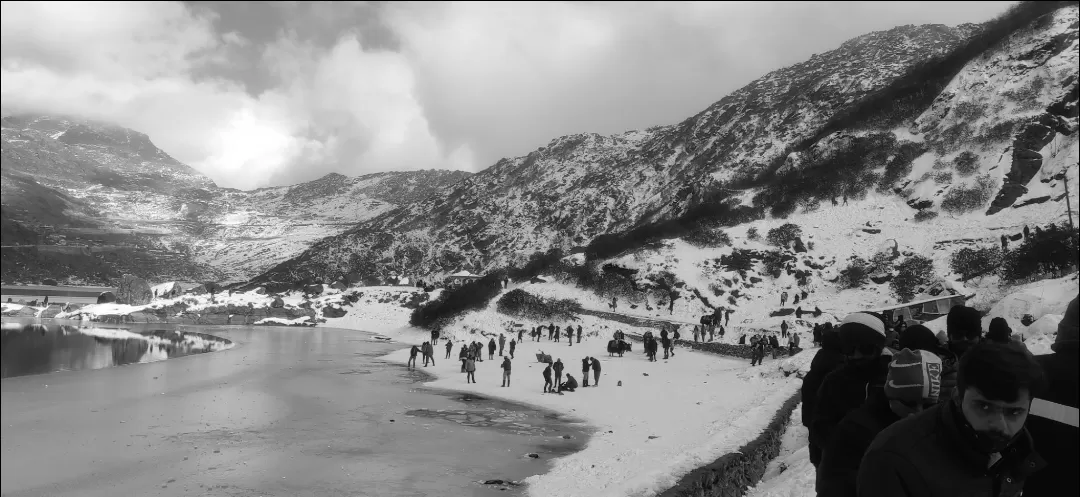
(1067, 329)
(963, 322)
(918, 337)
(914, 375)
(861, 330)
(999, 330)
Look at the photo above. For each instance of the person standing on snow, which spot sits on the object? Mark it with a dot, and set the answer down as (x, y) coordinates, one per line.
(470, 370)
(974, 443)
(963, 329)
(466, 352)
(586, 363)
(596, 371)
(513, 345)
(506, 371)
(547, 379)
(579, 333)
(558, 368)
(413, 352)
(827, 359)
(429, 353)
(783, 328)
(449, 345)
(491, 349)
(695, 333)
(502, 343)
(783, 299)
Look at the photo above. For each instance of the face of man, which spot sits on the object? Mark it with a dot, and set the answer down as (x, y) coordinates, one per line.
(996, 422)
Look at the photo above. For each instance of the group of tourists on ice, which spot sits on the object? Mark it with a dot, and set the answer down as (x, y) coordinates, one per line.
(903, 413)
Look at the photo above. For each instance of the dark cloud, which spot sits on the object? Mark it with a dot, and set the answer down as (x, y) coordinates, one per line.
(260, 93)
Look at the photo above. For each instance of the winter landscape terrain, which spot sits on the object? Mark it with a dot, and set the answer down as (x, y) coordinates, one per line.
(862, 178)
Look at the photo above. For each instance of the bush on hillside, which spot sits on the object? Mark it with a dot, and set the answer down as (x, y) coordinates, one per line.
(539, 263)
(705, 237)
(914, 272)
(855, 274)
(969, 262)
(967, 163)
(739, 260)
(523, 304)
(783, 235)
(712, 213)
(452, 302)
(1052, 250)
(960, 199)
(752, 234)
(925, 215)
(776, 262)
(900, 165)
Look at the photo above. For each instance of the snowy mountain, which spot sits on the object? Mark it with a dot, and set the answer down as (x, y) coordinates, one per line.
(77, 182)
(945, 119)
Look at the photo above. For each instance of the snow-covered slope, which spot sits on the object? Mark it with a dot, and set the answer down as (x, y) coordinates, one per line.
(791, 140)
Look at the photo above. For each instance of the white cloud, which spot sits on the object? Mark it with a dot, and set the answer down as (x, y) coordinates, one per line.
(472, 82)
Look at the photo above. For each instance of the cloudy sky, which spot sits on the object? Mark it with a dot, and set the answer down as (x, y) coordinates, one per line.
(257, 94)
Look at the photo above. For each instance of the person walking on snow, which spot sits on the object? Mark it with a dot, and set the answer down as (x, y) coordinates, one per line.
(502, 343)
(547, 379)
(783, 328)
(449, 345)
(727, 317)
(513, 345)
(506, 371)
(757, 346)
(570, 335)
(695, 333)
(491, 349)
(521, 332)
(783, 299)
(596, 371)
(585, 364)
(465, 353)
(429, 353)
(413, 352)
(558, 333)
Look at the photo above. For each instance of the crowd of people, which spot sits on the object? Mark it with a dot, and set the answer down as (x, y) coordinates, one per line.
(902, 413)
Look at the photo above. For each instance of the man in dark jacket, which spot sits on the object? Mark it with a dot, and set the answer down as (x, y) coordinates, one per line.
(558, 368)
(491, 349)
(586, 363)
(963, 327)
(596, 372)
(513, 345)
(862, 338)
(1053, 420)
(974, 444)
(506, 371)
(913, 383)
(547, 379)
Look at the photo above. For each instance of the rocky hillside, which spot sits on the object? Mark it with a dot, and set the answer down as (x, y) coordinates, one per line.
(947, 118)
(138, 210)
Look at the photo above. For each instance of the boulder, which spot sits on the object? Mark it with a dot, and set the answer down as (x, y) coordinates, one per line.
(338, 285)
(132, 290)
(260, 290)
(106, 298)
(277, 303)
(872, 231)
(881, 278)
(315, 289)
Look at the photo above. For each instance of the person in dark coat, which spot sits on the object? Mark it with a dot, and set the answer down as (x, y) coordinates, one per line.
(579, 334)
(828, 358)
(470, 370)
(774, 344)
(558, 368)
(547, 379)
(586, 363)
(596, 371)
(449, 345)
(513, 345)
(1052, 422)
(551, 331)
(491, 349)
(999, 330)
(521, 334)
(919, 337)
(816, 334)
(862, 339)
(429, 353)
(570, 335)
(570, 385)
(466, 352)
(727, 317)
(913, 384)
(757, 347)
(963, 327)
(798, 312)
(502, 343)
(506, 371)
(413, 352)
(434, 337)
(558, 332)
(666, 342)
(973, 444)
(783, 327)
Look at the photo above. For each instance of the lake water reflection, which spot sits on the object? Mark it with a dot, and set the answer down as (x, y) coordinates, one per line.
(36, 348)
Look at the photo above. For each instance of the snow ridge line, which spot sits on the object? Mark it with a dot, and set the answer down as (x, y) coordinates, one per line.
(734, 473)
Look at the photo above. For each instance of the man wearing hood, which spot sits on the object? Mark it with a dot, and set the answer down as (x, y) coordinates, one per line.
(1053, 420)
(913, 383)
(862, 338)
(963, 330)
(972, 444)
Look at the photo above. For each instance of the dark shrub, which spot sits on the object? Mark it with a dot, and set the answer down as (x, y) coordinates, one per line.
(914, 272)
(969, 262)
(453, 302)
(1051, 250)
(967, 163)
(855, 274)
(925, 215)
(520, 303)
(752, 234)
(783, 235)
(960, 199)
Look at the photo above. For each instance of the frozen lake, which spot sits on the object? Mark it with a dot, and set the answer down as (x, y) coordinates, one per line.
(284, 411)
